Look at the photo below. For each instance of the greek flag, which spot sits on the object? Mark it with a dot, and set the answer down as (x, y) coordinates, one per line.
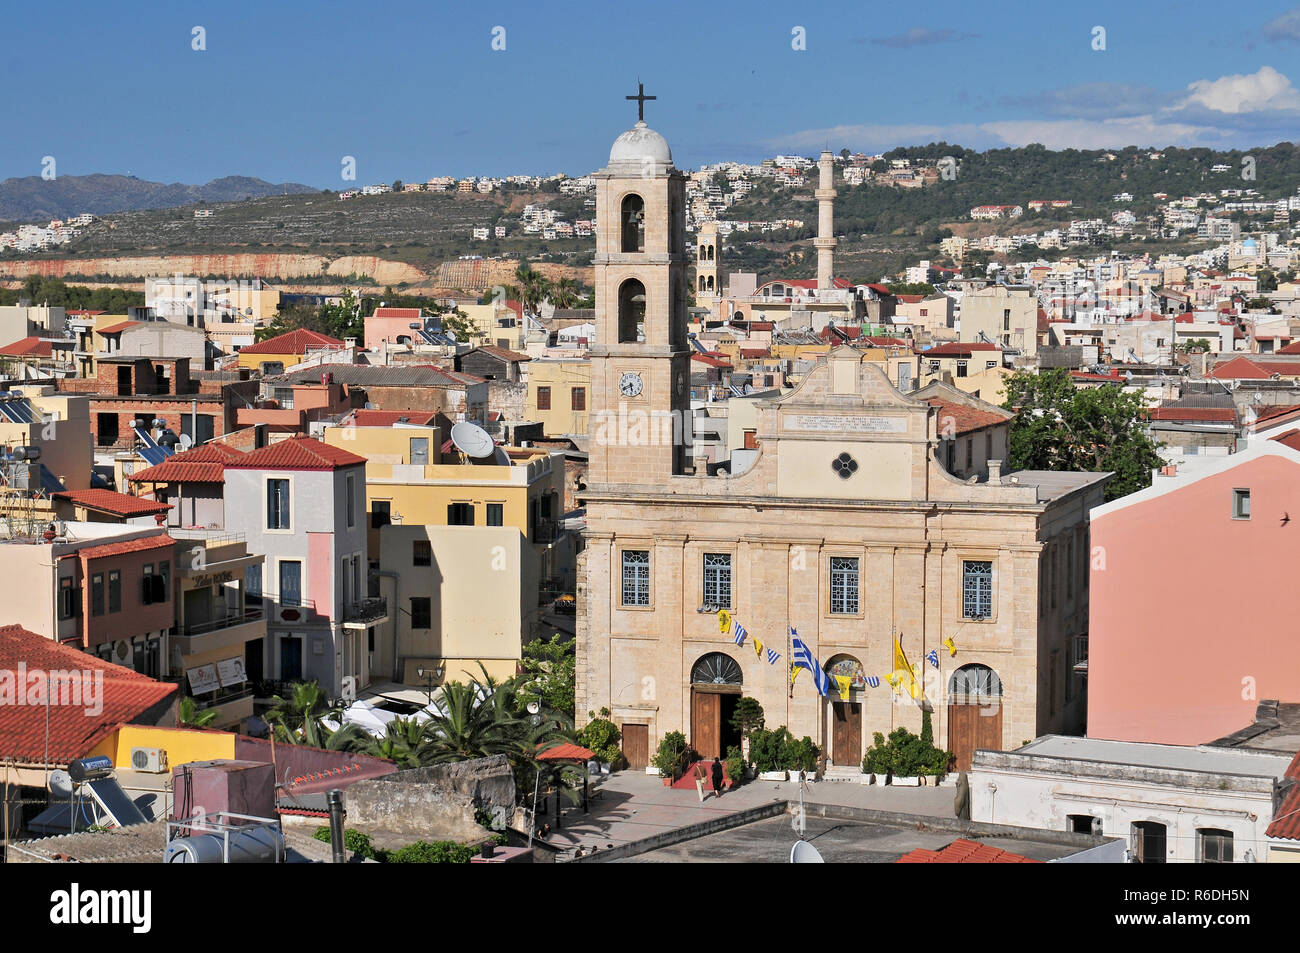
(741, 632)
(932, 657)
(773, 657)
(803, 658)
(873, 681)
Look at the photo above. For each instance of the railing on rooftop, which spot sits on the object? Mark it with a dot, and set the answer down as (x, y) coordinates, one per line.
(366, 610)
(208, 535)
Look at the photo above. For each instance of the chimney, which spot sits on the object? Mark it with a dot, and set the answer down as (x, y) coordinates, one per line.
(995, 472)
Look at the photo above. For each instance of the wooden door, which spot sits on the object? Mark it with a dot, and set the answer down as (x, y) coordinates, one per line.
(971, 727)
(706, 723)
(846, 733)
(636, 746)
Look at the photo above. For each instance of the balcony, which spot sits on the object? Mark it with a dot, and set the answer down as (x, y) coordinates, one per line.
(367, 612)
(232, 705)
(227, 628)
(547, 531)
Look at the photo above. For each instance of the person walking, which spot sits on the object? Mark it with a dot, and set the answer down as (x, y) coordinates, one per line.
(717, 777)
(701, 776)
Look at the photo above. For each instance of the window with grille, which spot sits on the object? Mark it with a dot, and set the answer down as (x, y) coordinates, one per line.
(543, 398)
(844, 585)
(717, 580)
(636, 577)
(578, 399)
(976, 589)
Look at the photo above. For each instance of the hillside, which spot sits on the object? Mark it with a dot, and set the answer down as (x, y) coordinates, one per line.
(34, 199)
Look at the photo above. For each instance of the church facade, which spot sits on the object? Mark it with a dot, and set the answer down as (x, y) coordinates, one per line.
(845, 526)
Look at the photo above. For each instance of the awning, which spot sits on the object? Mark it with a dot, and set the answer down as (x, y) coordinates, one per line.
(567, 752)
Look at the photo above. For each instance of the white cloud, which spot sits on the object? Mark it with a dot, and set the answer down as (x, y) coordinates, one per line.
(1285, 28)
(1262, 91)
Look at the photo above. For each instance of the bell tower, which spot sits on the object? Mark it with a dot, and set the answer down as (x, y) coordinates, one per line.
(640, 364)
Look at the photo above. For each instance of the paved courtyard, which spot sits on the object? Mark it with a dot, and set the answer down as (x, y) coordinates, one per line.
(632, 806)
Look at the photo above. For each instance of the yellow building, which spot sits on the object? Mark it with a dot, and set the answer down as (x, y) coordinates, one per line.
(276, 355)
(559, 393)
(60, 430)
(463, 549)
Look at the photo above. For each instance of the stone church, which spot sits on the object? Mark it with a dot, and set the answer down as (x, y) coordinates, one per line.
(848, 524)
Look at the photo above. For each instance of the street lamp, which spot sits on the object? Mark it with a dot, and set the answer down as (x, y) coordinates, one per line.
(429, 674)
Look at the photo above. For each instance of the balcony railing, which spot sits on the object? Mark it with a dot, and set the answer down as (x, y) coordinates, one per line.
(367, 610)
(547, 531)
(224, 620)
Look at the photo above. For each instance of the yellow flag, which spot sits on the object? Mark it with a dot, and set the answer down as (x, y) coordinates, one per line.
(846, 681)
(951, 646)
(904, 670)
(724, 621)
(900, 659)
(758, 648)
(918, 680)
(794, 673)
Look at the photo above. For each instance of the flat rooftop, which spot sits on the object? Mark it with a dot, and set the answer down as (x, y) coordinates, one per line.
(1053, 484)
(1203, 758)
(838, 841)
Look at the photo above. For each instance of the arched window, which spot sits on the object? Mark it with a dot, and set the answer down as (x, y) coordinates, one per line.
(631, 312)
(710, 282)
(710, 253)
(701, 253)
(701, 282)
(848, 666)
(633, 220)
(974, 681)
(716, 668)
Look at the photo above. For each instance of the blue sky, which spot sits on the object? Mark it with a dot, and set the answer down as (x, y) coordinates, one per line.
(284, 90)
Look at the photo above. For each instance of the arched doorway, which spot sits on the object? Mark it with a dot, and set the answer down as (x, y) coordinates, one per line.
(846, 716)
(631, 312)
(633, 221)
(716, 685)
(974, 712)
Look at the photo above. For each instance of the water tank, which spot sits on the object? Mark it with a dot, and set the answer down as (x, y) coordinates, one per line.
(255, 845)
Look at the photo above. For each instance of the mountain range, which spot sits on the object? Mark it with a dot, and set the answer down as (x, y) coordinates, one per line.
(37, 200)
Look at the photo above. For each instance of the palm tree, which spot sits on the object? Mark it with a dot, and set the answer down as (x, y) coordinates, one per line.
(533, 287)
(189, 715)
(298, 718)
(564, 293)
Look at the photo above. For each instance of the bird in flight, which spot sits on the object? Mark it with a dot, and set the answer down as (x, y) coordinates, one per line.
(1286, 518)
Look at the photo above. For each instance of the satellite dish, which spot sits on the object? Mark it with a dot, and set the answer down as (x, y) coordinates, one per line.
(805, 853)
(61, 785)
(500, 457)
(534, 707)
(472, 440)
(186, 441)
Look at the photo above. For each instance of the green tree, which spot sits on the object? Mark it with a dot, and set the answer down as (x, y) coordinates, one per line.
(1267, 280)
(298, 717)
(549, 674)
(189, 715)
(1061, 427)
(747, 716)
(533, 287)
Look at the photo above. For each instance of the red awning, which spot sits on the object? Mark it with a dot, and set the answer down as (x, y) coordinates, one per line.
(567, 752)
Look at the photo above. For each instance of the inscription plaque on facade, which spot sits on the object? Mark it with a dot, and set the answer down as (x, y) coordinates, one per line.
(843, 423)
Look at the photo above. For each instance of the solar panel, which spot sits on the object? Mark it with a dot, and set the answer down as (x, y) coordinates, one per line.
(699, 347)
(108, 794)
(17, 411)
(152, 452)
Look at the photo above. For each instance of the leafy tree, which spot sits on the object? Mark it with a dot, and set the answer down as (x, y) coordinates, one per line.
(1060, 427)
(1267, 280)
(397, 185)
(188, 714)
(462, 327)
(549, 674)
(747, 716)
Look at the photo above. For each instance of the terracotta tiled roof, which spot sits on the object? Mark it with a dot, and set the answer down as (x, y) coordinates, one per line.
(397, 313)
(141, 545)
(711, 361)
(957, 349)
(124, 694)
(884, 342)
(28, 347)
(1273, 413)
(84, 314)
(386, 418)
(910, 299)
(294, 342)
(1289, 439)
(117, 328)
(964, 418)
(1239, 368)
(753, 353)
(110, 501)
(1286, 819)
(297, 453)
(1290, 348)
(962, 851)
(204, 464)
(1195, 414)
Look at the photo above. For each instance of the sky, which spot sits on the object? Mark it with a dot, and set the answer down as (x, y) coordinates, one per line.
(285, 90)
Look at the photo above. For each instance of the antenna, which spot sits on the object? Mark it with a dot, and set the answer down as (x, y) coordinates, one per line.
(472, 440)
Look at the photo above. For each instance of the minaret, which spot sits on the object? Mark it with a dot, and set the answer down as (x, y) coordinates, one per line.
(825, 240)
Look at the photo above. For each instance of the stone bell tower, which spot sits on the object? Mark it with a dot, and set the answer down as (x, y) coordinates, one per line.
(640, 363)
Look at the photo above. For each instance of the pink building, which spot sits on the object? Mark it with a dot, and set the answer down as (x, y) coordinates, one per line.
(393, 325)
(1193, 599)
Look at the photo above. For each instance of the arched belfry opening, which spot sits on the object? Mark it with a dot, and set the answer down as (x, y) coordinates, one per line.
(631, 312)
(632, 216)
(710, 253)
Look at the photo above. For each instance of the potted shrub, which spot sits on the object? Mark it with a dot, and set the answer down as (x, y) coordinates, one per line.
(670, 758)
(734, 767)
(879, 759)
(801, 756)
(767, 752)
(602, 736)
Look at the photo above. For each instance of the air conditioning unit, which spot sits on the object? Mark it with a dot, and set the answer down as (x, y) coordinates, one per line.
(149, 760)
